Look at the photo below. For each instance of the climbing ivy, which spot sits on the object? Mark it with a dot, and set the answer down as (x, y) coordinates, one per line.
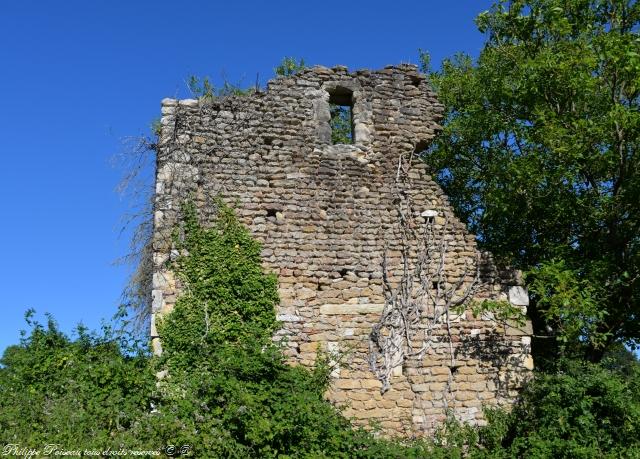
(227, 297)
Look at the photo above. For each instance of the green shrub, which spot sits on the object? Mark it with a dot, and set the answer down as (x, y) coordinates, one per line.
(581, 410)
(88, 392)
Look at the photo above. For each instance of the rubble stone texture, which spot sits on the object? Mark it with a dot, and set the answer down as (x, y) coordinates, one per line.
(324, 214)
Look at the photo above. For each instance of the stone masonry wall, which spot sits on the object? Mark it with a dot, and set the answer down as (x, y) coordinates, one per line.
(324, 214)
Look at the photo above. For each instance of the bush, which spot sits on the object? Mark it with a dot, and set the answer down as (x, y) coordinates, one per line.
(581, 410)
(88, 392)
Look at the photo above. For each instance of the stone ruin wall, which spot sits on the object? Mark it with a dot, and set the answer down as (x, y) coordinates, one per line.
(324, 214)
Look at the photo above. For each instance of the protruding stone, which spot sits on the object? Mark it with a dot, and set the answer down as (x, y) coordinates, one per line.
(528, 362)
(157, 300)
(518, 296)
(309, 347)
(288, 318)
(189, 102)
(351, 308)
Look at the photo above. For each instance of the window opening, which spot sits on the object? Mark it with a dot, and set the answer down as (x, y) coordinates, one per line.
(341, 110)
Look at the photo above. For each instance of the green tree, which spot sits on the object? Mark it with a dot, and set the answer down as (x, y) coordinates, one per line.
(539, 155)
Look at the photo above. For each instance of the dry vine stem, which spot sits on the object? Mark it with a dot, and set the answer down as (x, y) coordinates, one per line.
(425, 295)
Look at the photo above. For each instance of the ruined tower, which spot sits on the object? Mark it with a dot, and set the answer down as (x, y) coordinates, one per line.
(330, 217)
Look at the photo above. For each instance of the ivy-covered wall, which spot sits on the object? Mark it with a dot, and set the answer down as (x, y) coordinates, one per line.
(325, 215)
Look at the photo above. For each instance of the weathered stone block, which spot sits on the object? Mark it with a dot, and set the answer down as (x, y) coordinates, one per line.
(350, 308)
(347, 384)
(371, 384)
(309, 347)
(518, 296)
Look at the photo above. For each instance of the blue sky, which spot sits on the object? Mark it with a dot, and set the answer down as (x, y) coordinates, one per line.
(79, 76)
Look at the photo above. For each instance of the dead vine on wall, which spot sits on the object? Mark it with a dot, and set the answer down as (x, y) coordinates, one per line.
(421, 299)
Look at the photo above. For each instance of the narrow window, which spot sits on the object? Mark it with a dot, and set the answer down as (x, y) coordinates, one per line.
(341, 109)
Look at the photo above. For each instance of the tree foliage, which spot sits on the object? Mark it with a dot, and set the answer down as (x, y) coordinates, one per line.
(539, 156)
(341, 124)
